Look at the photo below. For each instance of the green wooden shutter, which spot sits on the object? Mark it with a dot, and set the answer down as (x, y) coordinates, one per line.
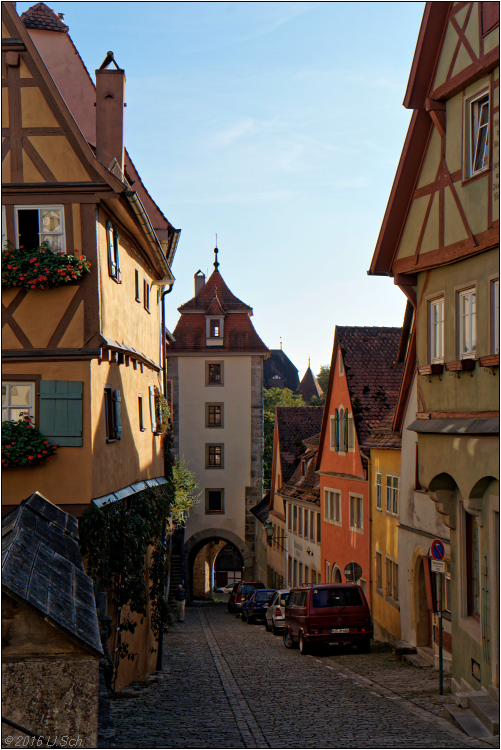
(117, 404)
(61, 411)
(336, 430)
(345, 431)
(111, 250)
(116, 255)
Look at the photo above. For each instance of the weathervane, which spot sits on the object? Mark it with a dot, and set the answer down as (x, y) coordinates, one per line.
(216, 264)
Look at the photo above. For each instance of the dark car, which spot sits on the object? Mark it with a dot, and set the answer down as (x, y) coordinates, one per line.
(327, 614)
(255, 606)
(240, 593)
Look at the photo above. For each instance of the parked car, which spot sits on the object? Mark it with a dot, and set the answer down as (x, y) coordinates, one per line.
(327, 614)
(240, 592)
(225, 589)
(255, 606)
(275, 613)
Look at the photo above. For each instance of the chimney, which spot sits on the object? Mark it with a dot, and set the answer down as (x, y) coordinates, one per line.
(199, 281)
(110, 91)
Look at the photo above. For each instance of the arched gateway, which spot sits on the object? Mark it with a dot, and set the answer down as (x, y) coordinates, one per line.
(200, 569)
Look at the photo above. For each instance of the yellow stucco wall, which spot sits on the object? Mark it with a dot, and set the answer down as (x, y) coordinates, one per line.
(384, 539)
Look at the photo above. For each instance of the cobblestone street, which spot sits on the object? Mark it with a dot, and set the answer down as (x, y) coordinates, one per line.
(226, 684)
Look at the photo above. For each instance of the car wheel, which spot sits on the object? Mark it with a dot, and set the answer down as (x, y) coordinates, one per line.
(244, 616)
(364, 646)
(288, 642)
(304, 647)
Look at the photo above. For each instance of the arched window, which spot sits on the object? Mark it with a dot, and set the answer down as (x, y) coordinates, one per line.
(336, 430)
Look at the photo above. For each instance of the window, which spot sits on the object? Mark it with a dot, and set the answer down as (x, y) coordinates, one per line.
(392, 492)
(215, 329)
(289, 570)
(300, 573)
(112, 410)
(356, 518)
(341, 431)
(312, 525)
(447, 588)
(306, 574)
(436, 313)
(36, 225)
(113, 252)
(154, 417)
(289, 517)
(214, 501)
(214, 456)
(306, 524)
(136, 286)
(214, 373)
(140, 413)
(379, 491)
(332, 506)
(495, 316)
(294, 519)
(300, 522)
(295, 574)
(214, 415)
(146, 295)
(327, 572)
(467, 322)
(472, 566)
(379, 572)
(17, 398)
(334, 425)
(392, 580)
(476, 134)
(351, 432)
(318, 528)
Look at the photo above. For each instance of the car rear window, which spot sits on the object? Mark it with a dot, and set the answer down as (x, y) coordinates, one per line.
(326, 598)
(263, 596)
(247, 588)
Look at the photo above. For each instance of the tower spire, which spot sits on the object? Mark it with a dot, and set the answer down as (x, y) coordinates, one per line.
(216, 263)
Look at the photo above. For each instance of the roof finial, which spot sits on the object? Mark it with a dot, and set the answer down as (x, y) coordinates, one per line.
(309, 368)
(216, 264)
(280, 343)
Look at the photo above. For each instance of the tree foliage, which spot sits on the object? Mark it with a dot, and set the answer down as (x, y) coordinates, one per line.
(273, 397)
(323, 377)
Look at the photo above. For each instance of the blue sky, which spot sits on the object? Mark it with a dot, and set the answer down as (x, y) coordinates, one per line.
(277, 126)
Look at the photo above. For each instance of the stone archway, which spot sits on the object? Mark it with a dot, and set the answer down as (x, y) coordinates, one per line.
(215, 539)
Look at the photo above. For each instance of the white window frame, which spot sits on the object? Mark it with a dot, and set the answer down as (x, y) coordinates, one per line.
(356, 510)
(299, 521)
(332, 506)
(30, 408)
(327, 572)
(436, 308)
(43, 235)
(391, 579)
(312, 525)
(214, 340)
(473, 143)
(379, 491)
(392, 494)
(494, 289)
(467, 322)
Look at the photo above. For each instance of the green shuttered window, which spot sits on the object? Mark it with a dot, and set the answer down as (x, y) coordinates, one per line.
(61, 413)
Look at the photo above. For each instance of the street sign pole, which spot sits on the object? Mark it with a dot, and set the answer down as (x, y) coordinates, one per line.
(440, 636)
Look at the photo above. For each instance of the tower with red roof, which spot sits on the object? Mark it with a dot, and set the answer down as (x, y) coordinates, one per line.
(215, 366)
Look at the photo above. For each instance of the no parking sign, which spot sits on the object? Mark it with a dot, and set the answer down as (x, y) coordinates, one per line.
(437, 552)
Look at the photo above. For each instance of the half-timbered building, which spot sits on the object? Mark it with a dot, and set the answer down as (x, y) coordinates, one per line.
(84, 359)
(440, 242)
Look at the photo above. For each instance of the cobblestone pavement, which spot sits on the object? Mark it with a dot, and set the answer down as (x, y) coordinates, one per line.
(226, 684)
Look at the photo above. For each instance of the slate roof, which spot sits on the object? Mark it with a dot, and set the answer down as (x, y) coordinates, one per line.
(373, 375)
(42, 566)
(309, 386)
(215, 298)
(305, 487)
(40, 16)
(279, 372)
(295, 424)
(262, 509)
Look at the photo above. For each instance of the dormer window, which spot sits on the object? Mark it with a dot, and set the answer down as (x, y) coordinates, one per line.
(214, 330)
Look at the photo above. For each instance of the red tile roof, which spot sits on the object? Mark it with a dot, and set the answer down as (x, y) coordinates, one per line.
(304, 484)
(214, 298)
(372, 373)
(295, 424)
(309, 387)
(383, 436)
(40, 16)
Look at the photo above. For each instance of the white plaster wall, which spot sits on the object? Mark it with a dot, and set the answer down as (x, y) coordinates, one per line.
(235, 394)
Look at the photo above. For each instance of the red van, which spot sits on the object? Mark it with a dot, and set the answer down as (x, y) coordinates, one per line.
(328, 614)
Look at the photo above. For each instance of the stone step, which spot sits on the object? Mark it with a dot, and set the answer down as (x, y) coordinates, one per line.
(486, 710)
(494, 693)
(414, 660)
(401, 647)
(465, 720)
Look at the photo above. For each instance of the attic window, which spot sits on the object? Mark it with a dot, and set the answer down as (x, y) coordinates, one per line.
(214, 331)
(215, 328)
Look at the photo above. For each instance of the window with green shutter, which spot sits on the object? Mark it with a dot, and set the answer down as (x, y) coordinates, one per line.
(61, 411)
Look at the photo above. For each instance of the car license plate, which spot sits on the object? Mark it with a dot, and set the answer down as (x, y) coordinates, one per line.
(340, 630)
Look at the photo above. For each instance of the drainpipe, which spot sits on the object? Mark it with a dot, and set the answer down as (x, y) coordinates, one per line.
(164, 345)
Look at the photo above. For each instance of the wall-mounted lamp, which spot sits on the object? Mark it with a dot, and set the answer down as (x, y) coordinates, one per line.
(268, 527)
(309, 552)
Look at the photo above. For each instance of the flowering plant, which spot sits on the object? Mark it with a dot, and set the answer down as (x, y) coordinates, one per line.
(41, 268)
(23, 445)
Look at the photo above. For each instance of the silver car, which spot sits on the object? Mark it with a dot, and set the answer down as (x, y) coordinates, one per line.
(275, 613)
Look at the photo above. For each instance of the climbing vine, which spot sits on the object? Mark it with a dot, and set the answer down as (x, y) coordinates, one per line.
(115, 540)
